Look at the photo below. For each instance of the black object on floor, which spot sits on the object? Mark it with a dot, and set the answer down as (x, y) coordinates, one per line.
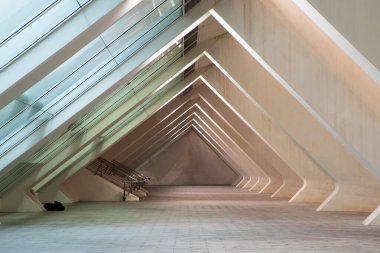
(56, 206)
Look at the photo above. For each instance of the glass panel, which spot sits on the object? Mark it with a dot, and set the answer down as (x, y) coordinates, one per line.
(36, 29)
(16, 14)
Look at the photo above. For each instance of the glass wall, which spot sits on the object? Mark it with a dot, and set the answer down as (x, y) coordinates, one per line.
(89, 66)
(76, 131)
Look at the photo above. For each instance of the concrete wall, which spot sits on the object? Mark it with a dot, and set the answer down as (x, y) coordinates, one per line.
(84, 186)
(358, 21)
(301, 79)
(189, 161)
(326, 80)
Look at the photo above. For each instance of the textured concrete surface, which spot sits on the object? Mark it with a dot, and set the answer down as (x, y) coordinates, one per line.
(189, 219)
(188, 161)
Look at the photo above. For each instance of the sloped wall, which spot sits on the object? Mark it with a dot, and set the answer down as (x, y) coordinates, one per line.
(188, 161)
(84, 186)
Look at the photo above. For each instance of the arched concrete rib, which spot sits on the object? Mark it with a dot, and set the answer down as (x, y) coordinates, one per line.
(311, 187)
(28, 205)
(204, 136)
(265, 186)
(291, 182)
(357, 183)
(130, 143)
(334, 78)
(317, 73)
(220, 148)
(316, 185)
(105, 142)
(354, 182)
(43, 193)
(217, 133)
(137, 154)
(252, 171)
(131, 155)
(133, 100)
(183, 130)
(129, 151)
(262, 89)
(182, 121)
(123, 153)
(163, 117)
(261, 151)
(138, 140)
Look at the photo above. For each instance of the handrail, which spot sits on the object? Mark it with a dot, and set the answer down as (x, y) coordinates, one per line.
(130, 170)
(118, 174)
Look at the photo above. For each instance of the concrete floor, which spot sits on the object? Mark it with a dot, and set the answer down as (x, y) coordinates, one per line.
(189, 219)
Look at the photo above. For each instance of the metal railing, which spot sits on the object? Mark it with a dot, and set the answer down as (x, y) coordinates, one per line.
(118, 174)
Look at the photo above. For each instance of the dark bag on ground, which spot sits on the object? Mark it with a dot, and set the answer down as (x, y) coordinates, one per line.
(56, 206)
